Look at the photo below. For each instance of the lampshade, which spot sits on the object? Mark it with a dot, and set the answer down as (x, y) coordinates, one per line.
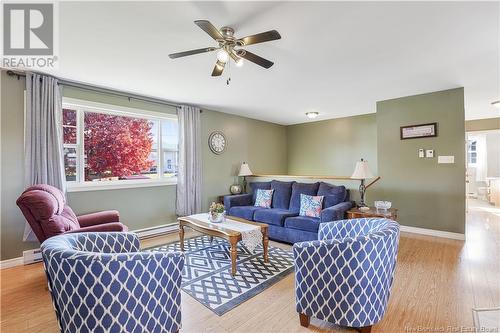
(245, 170)
(362, 170)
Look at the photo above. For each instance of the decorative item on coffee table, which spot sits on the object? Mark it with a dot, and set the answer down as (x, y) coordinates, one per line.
(233, 229)
(216, 213)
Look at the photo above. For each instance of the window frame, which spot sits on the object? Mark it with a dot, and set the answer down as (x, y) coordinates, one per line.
(82, 106)
(470, 142)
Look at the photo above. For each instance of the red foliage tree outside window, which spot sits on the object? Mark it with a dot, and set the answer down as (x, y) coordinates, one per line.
(116, 146)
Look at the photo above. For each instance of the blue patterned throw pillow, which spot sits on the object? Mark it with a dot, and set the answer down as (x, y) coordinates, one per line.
(310, 205)
(264, 198)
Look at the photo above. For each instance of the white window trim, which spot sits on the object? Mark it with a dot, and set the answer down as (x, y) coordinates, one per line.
(120, 184)
(116, 110)
(80, 185)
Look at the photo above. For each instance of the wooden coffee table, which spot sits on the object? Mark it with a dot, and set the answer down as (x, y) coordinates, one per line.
(223, 231)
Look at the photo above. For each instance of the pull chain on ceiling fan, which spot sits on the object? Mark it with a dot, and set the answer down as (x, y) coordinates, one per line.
(230, 47)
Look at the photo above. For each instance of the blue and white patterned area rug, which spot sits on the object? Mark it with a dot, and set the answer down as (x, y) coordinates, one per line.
(207, 272)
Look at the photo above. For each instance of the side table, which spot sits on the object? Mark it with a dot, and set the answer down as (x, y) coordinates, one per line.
(391, 213)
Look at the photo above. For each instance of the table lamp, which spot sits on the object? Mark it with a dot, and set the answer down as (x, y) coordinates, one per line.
(363, 172)
(244, 172)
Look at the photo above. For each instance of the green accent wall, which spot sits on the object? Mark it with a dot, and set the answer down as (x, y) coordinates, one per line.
(427, 194)
(332, 147)
(12, 166)
(261, 144)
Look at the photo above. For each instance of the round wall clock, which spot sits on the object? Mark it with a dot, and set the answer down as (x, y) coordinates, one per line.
(217, 142)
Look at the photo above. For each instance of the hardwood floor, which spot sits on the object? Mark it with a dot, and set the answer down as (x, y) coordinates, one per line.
(438, 281)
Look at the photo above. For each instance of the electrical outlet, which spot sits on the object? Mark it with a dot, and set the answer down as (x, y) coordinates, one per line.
(429, 153)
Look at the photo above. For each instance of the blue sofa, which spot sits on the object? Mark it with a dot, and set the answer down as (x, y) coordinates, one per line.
(283, 218)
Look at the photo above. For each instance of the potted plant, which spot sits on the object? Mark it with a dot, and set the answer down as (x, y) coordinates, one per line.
(216, 212)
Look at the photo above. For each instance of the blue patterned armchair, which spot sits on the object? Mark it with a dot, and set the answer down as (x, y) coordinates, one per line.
(345, 277)
(99, 282)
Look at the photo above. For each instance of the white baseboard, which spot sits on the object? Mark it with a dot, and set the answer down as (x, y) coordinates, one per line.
(431, 232)
(11, 262)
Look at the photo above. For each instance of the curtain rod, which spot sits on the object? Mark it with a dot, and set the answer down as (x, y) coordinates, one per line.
(82, 85)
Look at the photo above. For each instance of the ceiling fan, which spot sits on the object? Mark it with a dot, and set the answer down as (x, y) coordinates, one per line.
(230, 46)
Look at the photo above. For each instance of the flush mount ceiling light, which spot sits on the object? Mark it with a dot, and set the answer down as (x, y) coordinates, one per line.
(312, 115)
(230, 47)
(496, 104)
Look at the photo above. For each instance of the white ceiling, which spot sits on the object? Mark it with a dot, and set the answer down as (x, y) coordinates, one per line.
(336, 58)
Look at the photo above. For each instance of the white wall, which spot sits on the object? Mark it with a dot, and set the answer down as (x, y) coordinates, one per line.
(493, 153)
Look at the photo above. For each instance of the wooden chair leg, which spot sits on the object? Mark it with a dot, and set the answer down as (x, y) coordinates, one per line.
(304, 320)
(366, 329)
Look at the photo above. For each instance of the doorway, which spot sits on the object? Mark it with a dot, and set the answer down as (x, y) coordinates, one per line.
(483, 169)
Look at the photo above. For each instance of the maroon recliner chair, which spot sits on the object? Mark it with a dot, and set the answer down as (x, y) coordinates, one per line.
(45, 209)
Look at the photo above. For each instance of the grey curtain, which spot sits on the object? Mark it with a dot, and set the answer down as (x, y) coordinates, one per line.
(43, 145)
(190, 168)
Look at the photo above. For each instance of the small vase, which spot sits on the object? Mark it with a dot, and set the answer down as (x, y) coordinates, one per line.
(216, 217)
(235, 189)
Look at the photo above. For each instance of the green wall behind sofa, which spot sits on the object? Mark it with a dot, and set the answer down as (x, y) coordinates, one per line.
(261, 144)
(332, 148)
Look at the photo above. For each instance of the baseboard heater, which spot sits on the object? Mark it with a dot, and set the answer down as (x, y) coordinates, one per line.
(35, 255)
(157, 231)
(32, 256)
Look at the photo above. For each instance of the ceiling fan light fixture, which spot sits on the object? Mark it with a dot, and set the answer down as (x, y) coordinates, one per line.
(496, 104)
(222, 56)
(312, 115)
(228, 46)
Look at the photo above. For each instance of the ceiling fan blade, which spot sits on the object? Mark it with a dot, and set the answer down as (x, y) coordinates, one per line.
(209, 29)
(188, 53)
(219, 68)
(256, 59)
(260, 38)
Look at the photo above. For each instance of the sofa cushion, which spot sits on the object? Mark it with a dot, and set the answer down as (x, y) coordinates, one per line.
(310, 205)
(282, 194)
(259, 185)
(245, 212)
(305, 223)
(301, 188)
(264, 198)
(274, 216)
(332, 194)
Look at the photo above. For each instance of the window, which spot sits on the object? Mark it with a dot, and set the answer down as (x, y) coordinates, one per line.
(107, 145)
(472, 152)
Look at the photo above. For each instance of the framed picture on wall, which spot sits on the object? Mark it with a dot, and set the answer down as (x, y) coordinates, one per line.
(418, 131)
